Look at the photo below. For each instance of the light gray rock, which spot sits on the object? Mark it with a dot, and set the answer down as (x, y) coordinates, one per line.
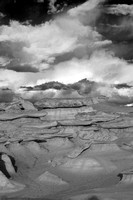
(61, 114)
(104, 147)
(7, 186)
(67, 103)
(125, 122)
(25, 114)
(101, 135)
(58, 142)
(48, 177)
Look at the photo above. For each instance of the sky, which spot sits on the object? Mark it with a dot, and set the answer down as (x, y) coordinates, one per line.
(92, 40)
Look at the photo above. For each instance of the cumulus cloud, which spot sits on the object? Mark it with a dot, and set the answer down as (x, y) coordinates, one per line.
(11, 79)
(121, 9)
(52, 7)
(66, 49)
(49, 93)
(121, 96)
(38, 46)
(85, 7)
(100, 67)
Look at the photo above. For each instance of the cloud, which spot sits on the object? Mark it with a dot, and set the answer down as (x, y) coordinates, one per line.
(38, 46)
(121, 9)
(66, 49)
(11, 79)
(100, 67)
(4, 61)
(52, 7)
(49, 93)
(85, 7)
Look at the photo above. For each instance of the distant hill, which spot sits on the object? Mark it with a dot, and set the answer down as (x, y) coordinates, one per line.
(78, 86)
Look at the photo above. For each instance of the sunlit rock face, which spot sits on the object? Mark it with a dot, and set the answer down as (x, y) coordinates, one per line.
(50, 178)
(9, 164)
(126, 178)
(17, 104)
(8, 169)
(7, 186)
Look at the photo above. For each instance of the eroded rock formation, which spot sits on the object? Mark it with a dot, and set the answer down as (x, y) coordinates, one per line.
(39, 143)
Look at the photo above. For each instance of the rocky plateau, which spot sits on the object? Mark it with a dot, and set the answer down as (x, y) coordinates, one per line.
(66, 149)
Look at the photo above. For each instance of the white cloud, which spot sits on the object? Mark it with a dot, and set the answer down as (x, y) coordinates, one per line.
(38, 47)
(123, 9)
(4, 61)
(85, 7)
(11, 79)
(52, 7)
(101, 67)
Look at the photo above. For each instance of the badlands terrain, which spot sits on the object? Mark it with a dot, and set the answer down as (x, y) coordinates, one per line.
(66, 149)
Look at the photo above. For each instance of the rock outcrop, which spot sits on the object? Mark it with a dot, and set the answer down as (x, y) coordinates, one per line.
(7, 186)
(50, 178)
(126, 177)
(39, 142)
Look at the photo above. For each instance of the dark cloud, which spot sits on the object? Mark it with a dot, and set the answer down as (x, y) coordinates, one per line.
(115, 28)
(110, 2)
(123, 50)
(84, 86)
(93, 198)
(58, 90)
(119, 30)
(22, 68)
(23, 10)
(87, 41)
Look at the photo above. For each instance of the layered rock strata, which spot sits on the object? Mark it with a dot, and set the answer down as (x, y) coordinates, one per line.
(66, 135)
